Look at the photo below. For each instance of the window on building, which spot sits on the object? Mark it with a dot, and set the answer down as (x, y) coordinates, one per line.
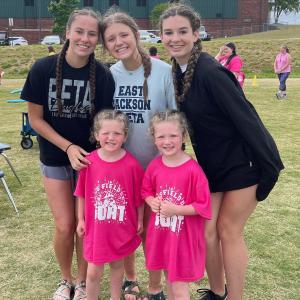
(29, 2)
(113, 2)
(88, 3)
(141, 2)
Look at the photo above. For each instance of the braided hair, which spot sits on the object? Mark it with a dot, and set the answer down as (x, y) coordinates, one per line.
(112, 17)
(92, 61)
(194, 19)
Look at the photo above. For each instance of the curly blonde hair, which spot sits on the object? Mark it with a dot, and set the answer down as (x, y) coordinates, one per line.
(108, 114)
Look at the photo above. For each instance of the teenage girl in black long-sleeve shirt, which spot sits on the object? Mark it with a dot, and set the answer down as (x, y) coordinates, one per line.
(231, 144)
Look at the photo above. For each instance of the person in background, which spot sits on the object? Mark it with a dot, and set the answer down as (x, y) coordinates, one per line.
(235, 150)
(1, 74)
(228, 58)
(110, 208)
(153, 52)
(282, 67)
(51, 51)
(64, 92)
(143, 87)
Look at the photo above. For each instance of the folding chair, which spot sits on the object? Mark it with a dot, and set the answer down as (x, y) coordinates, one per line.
(4, 147)
(8, 191)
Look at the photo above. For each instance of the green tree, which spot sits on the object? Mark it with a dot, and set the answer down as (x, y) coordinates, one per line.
(286, 6)
(60, 11)
(156, 12)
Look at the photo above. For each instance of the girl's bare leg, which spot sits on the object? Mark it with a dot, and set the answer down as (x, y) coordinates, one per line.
(236, 208)
(214, 259)
(116, 278)
(93, 280)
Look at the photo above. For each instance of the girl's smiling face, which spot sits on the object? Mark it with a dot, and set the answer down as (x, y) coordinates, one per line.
(111, 136)
(178, 38)
(168, 138)
(83, 36)
(121, 42)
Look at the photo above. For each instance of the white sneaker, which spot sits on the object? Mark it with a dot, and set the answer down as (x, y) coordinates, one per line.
(280, 95)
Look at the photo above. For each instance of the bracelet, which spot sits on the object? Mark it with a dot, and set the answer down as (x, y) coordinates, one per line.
(68, 147)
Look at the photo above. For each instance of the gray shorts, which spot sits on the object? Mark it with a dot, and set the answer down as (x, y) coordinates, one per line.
(60, 172)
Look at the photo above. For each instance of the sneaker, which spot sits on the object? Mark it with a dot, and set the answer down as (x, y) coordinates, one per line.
(207, 294)
(279, 95)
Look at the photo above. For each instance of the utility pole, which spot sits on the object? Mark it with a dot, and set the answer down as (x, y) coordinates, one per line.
(39, 18)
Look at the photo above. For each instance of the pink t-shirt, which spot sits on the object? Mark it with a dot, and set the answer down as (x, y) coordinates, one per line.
(235, 66)
(112, 194)
(177, 243)
(280, 61)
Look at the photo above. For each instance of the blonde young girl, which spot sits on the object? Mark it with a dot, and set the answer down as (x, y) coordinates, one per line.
(177, 192)
(235, 150)
(143, 86)
(63, 93)
(110, 212)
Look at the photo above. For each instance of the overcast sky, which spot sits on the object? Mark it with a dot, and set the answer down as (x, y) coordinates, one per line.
(290, 19)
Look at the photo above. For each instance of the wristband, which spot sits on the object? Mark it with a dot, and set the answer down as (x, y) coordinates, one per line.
(68, 147)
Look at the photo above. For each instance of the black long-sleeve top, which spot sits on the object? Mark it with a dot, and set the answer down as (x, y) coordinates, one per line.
(230, 141)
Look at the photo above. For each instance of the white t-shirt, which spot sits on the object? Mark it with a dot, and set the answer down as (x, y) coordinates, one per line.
(129, 98)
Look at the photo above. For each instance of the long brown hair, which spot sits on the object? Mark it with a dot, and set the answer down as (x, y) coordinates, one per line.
(195, 21)
(112, 17)
(92, 61)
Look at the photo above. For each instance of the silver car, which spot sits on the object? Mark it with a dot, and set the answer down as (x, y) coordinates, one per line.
(51, 40)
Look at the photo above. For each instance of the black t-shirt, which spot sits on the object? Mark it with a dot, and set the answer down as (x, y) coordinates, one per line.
(75, 121)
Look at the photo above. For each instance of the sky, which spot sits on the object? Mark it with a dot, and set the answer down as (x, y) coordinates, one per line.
(291, 19)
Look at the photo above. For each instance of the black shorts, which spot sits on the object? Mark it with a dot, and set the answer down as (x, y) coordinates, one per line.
(236, 178)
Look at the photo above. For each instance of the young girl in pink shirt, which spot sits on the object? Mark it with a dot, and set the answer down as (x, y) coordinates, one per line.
(110, 210)
(176, 189)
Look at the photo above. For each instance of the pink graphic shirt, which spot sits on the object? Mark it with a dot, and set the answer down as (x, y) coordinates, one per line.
(280, 61)
(112, 194)
(235, 66)
(177, 243)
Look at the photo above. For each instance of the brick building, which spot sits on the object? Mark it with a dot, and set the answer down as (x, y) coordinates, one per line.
(31, 19)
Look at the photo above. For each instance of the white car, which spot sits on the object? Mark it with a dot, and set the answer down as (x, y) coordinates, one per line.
(17, 41)
(146, 36)
(51, 40)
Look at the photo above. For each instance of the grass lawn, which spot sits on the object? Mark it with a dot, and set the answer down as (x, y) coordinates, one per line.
(28, 268)
(257, 50)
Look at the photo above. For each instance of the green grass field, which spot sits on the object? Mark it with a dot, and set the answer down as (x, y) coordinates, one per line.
(28, 268)
(257, 50)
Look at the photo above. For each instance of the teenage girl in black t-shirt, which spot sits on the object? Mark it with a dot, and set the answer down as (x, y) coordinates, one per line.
(231, 144)
(63, 93)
